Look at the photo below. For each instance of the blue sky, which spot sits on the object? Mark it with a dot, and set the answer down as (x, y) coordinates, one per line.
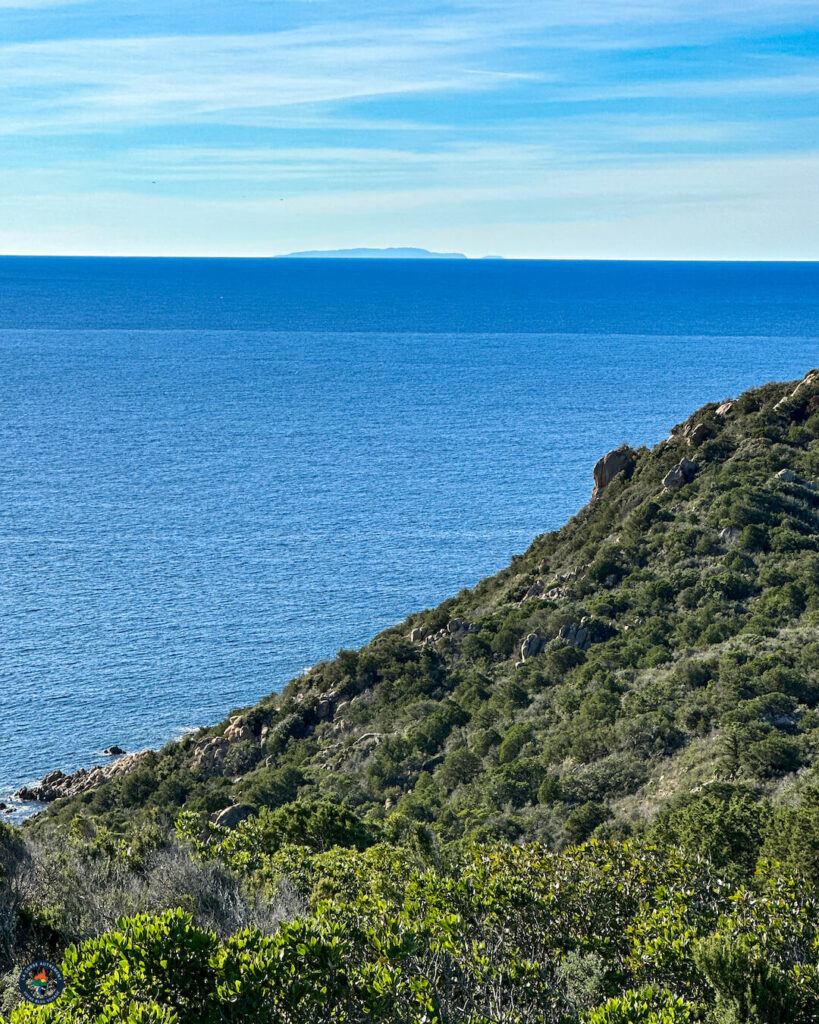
(544, 128)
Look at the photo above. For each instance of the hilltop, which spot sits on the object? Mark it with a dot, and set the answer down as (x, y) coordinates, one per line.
(663, 640)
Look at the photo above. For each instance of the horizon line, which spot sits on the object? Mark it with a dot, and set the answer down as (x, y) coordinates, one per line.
(432, 258)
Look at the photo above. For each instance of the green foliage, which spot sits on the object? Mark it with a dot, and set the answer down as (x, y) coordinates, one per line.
(648, 1006)
(677, 647)
(611, 933)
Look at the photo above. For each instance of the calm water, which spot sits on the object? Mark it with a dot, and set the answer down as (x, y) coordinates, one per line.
(214, 473)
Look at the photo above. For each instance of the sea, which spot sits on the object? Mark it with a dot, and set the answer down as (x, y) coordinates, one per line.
(216, 472)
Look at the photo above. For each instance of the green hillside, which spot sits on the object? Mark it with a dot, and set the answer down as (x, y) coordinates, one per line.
(672, 642)
(583, 792)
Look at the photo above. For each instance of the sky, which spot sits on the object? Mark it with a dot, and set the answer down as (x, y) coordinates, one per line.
(612, 129)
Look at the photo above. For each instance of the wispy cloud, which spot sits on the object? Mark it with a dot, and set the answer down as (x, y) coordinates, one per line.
(466, 111)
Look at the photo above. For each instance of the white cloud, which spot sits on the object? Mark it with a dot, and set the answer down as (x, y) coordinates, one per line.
(728, 208)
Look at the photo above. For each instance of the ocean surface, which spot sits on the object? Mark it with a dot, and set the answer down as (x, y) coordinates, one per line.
(214, 473)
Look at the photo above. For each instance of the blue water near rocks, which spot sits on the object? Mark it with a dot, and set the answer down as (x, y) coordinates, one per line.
(214, 473)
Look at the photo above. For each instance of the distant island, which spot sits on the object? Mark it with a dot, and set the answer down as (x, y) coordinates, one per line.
(374, 254)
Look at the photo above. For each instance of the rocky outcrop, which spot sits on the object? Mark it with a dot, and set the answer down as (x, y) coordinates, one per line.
(724, 409)
(683, 473)
(786, 476)
(576, 635)
(57, 784)
(552, 591)
(619, 460)
(455, 629)
(531, 646)
(209, 755)
(230, 817)
(806, 387)
(237, 730)
(114, 751)
(699, 433)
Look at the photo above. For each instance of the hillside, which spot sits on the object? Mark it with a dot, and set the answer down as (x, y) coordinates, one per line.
(582, 792)
(663, 639)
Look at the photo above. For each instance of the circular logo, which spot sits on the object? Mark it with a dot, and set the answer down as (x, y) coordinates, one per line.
(42, 982)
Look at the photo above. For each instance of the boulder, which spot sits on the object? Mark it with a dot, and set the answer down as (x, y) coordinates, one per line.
(238, 730)
(368, 737)
(619, 460)
(682, 473)
(803, 389)
(114, 751)
(724, 409)
(57, 784)
(787, 476)
(230, 817)
(701, 432)
(575, 636)
(531, 646)
(416, 635)
(324, 708)
(536, 590)
(729, 534)
(209, 755)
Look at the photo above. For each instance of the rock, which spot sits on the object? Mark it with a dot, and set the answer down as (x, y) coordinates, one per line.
(536, 590)
(324, 708)
(682, 473)
(238, 730)
(582, 635)
(729, 534)
(3, 806)
(209, 755)
(701, 432)
(114, 751)
(619, 460)
(800, 392)
(230, 817)
(724, 409)
(416, 635)
(369, 737)
(531, 646)
(57, 784)
(456, 627)
(787, 476)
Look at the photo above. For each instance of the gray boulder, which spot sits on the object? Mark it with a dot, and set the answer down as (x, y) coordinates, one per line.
(531, 646)
(230, 817)
(619, 460)
(683, 473)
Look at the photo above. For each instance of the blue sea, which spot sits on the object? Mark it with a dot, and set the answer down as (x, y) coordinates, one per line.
(214, 473)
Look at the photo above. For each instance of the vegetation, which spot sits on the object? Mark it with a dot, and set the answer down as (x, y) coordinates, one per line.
(586, 790)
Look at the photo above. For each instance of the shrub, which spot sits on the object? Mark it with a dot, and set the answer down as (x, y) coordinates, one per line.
(647, 1006)
(514, 741)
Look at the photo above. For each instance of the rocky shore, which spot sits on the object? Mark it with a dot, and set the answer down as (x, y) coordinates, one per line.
(58, 784)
